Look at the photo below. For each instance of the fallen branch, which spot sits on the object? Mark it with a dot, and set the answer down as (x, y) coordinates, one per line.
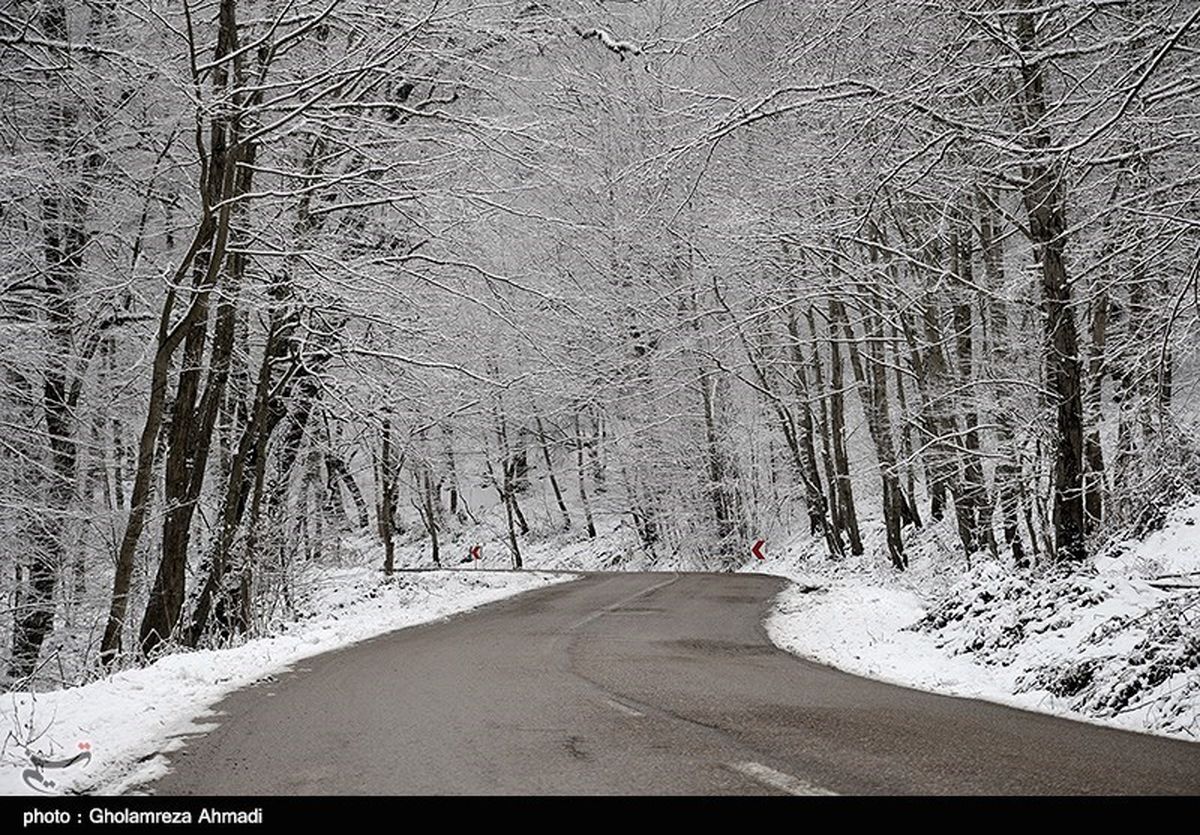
(1177, 581)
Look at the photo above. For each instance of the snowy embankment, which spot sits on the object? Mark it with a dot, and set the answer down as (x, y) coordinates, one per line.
(123, 724)
(1117, 643)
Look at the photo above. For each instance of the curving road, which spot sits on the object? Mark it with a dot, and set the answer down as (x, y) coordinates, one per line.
(644, 684)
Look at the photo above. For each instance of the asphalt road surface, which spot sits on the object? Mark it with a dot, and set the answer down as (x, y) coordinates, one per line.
(643, 684)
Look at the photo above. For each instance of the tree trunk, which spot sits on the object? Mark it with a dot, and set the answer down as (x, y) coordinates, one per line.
(243, 474)
(1045, 206)
(189, 438)
(907, 451)
(581, 476)
(386, 513)
(431, 517)
(558, 496)
(193, 421)
(837, 432)
(818, 505)
(452, 468)
(840, 496)
(938, 424)
(342, 473)
(595, 451)
(506, 495)
(971, 503)
(169, 340)
(872, 388)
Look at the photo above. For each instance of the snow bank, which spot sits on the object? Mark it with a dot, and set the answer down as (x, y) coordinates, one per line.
(865, 629)
(1116, 643)
(125, 722)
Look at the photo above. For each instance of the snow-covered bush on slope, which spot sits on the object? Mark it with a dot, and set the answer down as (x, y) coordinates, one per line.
(1116, 638)
(1115, 641)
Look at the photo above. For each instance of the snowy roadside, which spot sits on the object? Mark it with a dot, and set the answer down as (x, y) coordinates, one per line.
(863, 629)
(1109, 645)
(121, 726)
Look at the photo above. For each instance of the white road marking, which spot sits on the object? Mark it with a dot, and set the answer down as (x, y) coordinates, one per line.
(626, 709)
(609, 609)
(778, 780)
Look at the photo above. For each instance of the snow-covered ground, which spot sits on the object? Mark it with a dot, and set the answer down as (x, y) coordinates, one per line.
(1116, 643)
(121, 726)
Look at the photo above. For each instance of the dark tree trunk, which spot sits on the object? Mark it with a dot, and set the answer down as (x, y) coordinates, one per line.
(507, 496)
(912, 515)
(558, 496)
(193, 416)
(169, 339)
(596, 452)
(190, 435)
(244, 473)
(872, 387)
(581, 476)
(837, 431)
(837, 501)
(452, 468)
(1045, 206)
(971, 503)
(429, 511)
(387, 498)
(818, 505)
(522, 522)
